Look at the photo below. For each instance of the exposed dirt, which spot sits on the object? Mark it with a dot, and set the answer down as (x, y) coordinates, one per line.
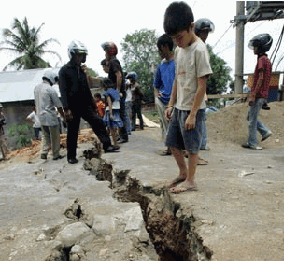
(230, 125)
(27, 154)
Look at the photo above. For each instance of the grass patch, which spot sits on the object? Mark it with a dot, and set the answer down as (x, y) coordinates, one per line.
(152, 115)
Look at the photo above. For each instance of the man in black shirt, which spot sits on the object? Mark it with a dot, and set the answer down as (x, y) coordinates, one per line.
(78, 101)
(115, 74)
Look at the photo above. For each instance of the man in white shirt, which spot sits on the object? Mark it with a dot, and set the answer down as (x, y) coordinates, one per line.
(46, 100)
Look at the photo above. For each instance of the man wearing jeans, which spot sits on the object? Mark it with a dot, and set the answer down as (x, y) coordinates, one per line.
(260, 89)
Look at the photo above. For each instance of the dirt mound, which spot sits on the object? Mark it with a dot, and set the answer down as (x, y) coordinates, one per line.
(230, 125)
(32, 151)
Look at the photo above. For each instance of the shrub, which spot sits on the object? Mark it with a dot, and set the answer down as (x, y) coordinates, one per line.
(21, 135)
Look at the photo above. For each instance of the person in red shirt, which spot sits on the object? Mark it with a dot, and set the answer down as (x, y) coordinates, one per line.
(260, 89)
(101, 106)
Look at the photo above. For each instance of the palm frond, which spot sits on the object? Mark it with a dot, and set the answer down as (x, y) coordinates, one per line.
(18, 61)
(9, 49)
(55, 53)
(38, 29)
(24, 40)
(11, 44)
(47, 42)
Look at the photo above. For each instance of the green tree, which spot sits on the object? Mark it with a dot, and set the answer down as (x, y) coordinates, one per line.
(220, 79)
(92, 72)
(140, 54)
(23, 41)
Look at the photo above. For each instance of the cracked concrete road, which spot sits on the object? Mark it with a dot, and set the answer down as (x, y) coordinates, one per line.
(240, 217)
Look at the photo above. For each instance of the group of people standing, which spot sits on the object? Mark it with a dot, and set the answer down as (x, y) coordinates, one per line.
(181, 90)
(180, 94)
(78, 102)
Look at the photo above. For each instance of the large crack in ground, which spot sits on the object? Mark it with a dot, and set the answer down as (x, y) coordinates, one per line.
(171, 232)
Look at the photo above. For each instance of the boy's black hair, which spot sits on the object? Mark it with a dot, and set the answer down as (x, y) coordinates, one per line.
(177, 18)
(165, 40)
(97, 95)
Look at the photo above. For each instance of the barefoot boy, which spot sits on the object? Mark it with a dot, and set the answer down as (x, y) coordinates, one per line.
(186, 107)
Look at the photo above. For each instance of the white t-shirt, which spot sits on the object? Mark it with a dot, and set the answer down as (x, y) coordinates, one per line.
(115, 106)
(46, 99)
(33, 117)
(192, 63)
(128, 95)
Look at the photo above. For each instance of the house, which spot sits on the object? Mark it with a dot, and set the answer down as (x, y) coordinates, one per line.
(17, 93)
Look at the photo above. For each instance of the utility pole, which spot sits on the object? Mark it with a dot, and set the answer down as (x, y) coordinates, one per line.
(240, 20)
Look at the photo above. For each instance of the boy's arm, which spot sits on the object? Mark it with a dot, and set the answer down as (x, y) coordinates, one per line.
(172, 102)
(157, 83)
(257, 87)
(118, 80)
(199, 96)
(109, 103)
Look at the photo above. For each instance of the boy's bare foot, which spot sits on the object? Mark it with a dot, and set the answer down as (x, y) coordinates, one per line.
(176, 181)
(183, 187)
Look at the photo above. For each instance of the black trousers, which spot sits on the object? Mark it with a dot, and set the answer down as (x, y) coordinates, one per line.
(123, 129)
(96, 123)
(136, 109)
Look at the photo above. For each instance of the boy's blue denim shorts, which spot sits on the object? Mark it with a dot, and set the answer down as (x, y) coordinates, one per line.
(177, 137)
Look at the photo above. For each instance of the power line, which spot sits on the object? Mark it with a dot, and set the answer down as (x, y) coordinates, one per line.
(233, 44)
(274, 53)
(222, 36)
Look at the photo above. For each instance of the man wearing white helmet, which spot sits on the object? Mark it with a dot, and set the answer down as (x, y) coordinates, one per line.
(78, 101)
(46, 102)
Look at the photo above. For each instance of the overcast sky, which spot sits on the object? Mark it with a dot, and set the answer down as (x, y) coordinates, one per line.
(94, 22)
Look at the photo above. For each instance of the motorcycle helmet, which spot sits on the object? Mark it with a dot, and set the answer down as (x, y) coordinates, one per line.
(110, 48)
(51, 76)
(263, 42)
(76, 47)
(203, 24)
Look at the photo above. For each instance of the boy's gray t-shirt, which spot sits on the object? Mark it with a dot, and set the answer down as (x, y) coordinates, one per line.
(192, 63)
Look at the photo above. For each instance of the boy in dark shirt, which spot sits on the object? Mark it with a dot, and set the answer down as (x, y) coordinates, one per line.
(260, 89)
(115, 74)
(137, 97)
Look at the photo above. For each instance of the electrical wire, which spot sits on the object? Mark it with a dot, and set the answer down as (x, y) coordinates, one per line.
(278, 44)
(233, 44)
(222, 36)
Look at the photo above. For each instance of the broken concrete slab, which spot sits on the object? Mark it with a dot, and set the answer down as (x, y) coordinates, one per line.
(73, 233)
(103, 225)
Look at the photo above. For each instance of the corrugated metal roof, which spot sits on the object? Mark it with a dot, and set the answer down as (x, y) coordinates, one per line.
(19, 85)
